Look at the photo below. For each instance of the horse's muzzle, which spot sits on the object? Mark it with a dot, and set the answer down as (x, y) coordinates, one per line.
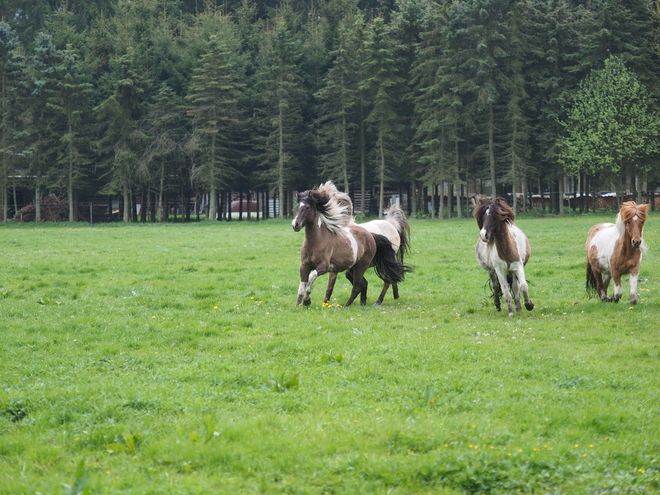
(296, 226)
(636, 244)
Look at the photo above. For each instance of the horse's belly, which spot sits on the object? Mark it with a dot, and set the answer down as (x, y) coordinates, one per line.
(601, 246)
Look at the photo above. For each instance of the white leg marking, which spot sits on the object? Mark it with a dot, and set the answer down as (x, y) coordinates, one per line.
(633, 288)
(310, 282)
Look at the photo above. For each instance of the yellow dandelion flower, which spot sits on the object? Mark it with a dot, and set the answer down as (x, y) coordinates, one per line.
(641, 470)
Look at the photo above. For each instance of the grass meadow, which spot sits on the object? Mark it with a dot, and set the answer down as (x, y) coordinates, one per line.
(171, 359)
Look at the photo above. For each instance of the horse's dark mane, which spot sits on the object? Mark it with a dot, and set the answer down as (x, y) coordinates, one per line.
(502, 215)
(499, 209)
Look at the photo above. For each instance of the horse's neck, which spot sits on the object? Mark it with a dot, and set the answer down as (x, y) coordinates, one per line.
(315, 232)
(624, 243)
(507, 249)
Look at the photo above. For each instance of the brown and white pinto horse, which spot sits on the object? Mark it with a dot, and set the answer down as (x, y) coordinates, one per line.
(394, 226)
(503, 251)
(614, 249)
(333, 244)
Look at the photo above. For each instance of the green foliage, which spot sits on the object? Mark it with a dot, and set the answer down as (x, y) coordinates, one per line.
(610, 124)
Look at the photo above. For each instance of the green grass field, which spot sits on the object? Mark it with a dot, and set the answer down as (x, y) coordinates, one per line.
(171, 359)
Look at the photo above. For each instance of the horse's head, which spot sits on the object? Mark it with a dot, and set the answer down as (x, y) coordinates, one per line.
(630, 222)
(305, 205)
(491, 217)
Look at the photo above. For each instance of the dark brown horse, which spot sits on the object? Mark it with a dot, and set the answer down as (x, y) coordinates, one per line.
(502, 250)
(614, 249)
(395, 227)
(334, 244)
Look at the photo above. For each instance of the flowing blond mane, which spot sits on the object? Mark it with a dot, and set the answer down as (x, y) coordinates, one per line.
(343, 199)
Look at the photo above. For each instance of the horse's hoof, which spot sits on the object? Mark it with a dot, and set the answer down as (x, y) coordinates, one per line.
(633, 302)
(307, 302)
(510, 315)
(377, 303)
(529, 306)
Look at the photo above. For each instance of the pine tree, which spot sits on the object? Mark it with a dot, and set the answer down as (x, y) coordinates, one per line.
(69, 99)
(214, 106)
(166, 128)
(339, 100)
(282, 99)
(383, 82)
(11, 67)
(42, 118)
(119, 116)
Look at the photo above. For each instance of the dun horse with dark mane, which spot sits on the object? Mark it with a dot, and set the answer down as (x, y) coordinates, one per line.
(614, 249)
(334, 244)
(502, 250)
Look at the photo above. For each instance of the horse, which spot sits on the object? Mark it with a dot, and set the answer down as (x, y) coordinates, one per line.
(396, 228)
(334, 244)
(614, 249)
(503, 251)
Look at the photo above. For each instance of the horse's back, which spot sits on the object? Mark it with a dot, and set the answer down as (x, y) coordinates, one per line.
(383, 227)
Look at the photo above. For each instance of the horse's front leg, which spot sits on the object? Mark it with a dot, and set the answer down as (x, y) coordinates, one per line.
(332, 278)
(618, 292)
(634, 277)
(515, 288)
(320, 269)
(604, 285)
(495, 287)
(504, 285)
(522, 286)
(302, 288)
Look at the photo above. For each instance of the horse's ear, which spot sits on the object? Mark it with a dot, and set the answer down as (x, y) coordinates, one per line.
(297, 195)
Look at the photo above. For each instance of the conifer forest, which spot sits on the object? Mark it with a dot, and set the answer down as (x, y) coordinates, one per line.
(169, 109)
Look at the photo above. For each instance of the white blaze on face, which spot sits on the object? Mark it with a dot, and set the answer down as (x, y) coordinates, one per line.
(482, 232)
(293, 222)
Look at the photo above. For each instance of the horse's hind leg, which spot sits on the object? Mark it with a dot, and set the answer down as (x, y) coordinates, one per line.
(395, 290)
(359, 286)
(386, 285)
(332, 278)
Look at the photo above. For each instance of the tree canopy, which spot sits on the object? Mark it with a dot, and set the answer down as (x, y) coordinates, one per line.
(422, 98)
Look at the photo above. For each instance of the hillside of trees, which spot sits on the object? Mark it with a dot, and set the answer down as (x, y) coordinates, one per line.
(144, 101)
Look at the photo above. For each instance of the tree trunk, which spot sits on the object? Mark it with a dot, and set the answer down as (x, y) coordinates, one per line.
(441, 201)
(382, 173)
(37, 202)
(491, 150)
(127, 206)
